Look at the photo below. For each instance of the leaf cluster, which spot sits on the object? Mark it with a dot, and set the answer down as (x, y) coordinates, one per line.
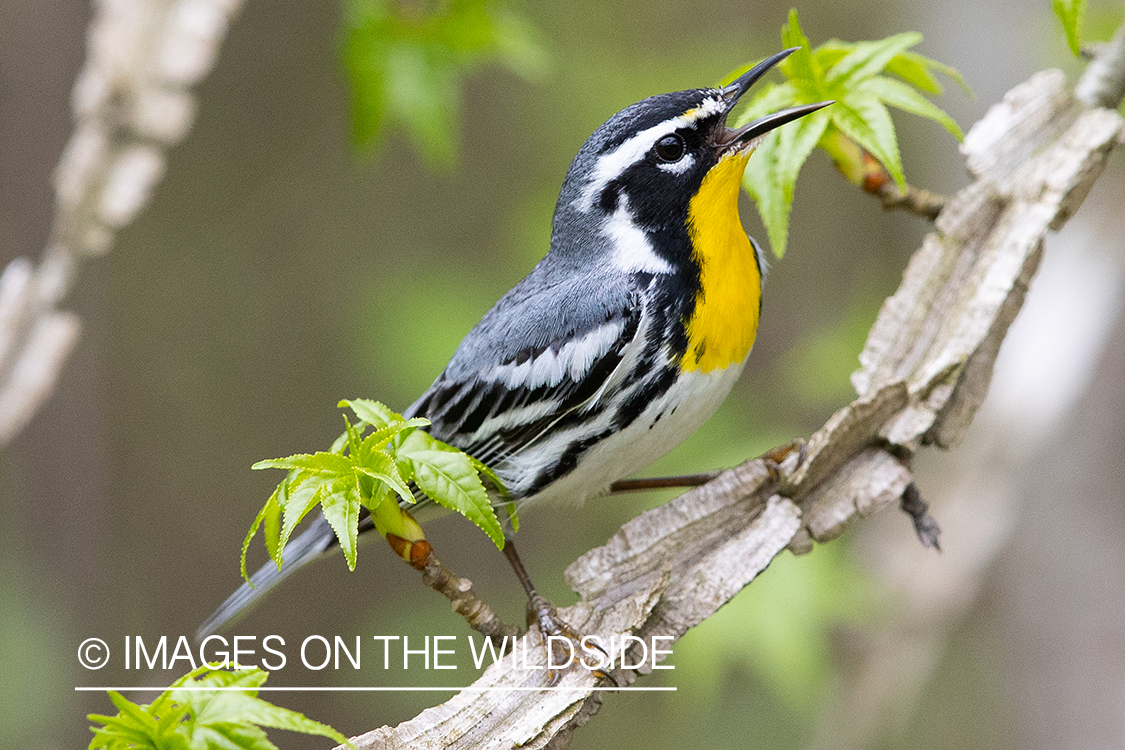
(852, 74)
(405, 61)
(373, 465)
(192, 719)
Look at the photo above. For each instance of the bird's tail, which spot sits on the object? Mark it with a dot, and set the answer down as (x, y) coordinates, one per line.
(309, 545)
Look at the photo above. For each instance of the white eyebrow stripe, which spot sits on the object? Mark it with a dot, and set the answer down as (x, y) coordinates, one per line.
(613, 163)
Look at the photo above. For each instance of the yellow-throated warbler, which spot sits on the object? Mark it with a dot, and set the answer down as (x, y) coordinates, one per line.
(627, 336)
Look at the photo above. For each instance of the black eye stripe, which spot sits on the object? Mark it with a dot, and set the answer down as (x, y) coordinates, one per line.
(670, 148)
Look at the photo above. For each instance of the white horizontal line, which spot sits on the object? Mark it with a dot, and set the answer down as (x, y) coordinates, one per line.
(380, 688)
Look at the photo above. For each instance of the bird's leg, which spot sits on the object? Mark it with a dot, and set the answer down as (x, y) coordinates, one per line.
(657, 483)
(773, 457)
(544, 616)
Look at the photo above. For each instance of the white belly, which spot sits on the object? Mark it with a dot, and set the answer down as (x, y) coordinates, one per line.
(663, 425)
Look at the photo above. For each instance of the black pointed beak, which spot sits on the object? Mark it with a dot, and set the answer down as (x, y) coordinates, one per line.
(731, 139)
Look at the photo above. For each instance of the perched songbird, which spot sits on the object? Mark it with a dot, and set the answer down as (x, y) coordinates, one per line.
(628, 334)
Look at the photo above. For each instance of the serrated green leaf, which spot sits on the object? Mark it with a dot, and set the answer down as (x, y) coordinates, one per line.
(353, 435)
(762, 180)
(796, 143)
(913, 69)
(446, 476)
(271, 523)
(830, 53)
(800, 65)
(231, 737)
(380, 466)
(490, 475)
(867, 122)
(772, 173)
(946, 70)
(1072, 13)
(339, 444)
(374, 413)
(242, 708)
(300, 502)
(870, 58)
(340, 501)
(770, 99)
(269, 511)
(378, 439)
(202, 720)
(899, 95)
(320, 463)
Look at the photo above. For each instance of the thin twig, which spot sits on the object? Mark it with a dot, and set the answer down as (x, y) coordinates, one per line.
(915, 200)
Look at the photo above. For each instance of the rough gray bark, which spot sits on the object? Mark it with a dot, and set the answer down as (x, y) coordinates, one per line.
(924, 372)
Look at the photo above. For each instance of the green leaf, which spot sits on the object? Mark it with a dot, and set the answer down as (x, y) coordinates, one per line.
(869, 58)
(374, 413)
(320, 463)
(353, 435)
(867, 122)
(378, 439)
(849, 73)
(446, 476)
(490, 475)
(763, 181)
(378, 465)
(898, 94)
(915, 70)
(800, 65)
(796, 143)
(269, 515)
(1072, 13)
(771, 176)
(202, 720)
(340, 501)
(301, 499)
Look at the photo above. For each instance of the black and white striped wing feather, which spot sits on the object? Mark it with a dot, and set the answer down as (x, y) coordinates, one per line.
(506, 406)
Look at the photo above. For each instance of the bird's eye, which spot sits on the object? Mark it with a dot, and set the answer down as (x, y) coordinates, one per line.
(671, 147)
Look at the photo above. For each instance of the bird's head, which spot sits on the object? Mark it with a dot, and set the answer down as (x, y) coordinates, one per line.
(647, 162)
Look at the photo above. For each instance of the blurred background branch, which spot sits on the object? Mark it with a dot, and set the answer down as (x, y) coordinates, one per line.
(131, 103)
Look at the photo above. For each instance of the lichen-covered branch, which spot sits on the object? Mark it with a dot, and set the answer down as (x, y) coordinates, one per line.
(132, 102)
(924, 372)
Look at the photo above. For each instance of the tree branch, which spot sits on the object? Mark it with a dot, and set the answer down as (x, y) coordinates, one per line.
(924, 372)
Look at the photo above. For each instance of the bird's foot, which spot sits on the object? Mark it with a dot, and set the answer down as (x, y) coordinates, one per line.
(564, 644)
(775, 457)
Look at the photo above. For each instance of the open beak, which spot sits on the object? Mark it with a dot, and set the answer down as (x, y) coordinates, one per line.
(731, 139)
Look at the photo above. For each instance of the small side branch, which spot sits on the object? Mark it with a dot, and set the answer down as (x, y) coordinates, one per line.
(915, 200)
(459, 591)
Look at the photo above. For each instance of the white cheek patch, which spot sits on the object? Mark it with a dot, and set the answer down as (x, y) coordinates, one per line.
(632, 252)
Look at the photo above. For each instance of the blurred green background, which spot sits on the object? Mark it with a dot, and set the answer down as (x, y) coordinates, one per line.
(279, 269)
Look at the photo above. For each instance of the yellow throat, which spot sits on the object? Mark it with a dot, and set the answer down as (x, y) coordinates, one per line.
(722, 327)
